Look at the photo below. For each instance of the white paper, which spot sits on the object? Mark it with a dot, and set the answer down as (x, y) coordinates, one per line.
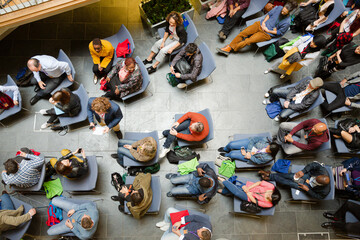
(99, 131)
(297, 192)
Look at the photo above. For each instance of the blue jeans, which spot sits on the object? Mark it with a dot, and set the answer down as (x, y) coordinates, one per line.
(182, 128)
(286, 179)
(124, 151)
(233, 151)
(282, 93)
(61, 228)
(6, 203)
(184, 186)
(169, 235)
(237, 191)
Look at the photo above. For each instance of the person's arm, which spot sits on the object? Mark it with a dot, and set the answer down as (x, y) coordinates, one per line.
(90, 113)
(117, 118)
(314, 194)
(353, 78)
(15, 89)
(178, 57)
(114, 70)
(109, 53)
(307, 3)
(64, 66)
(36, 161)
(311, 167)
(16, 220)
(253, 185)
(94, 55)
(307, 101)
(186, 116)
(244, 5)
(134, 79)
(196, 69)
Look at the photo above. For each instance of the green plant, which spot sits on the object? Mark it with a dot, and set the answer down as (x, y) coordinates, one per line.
(157, 10)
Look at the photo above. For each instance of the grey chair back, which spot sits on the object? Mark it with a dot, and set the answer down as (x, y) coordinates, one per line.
(255, 6)
(66, 82)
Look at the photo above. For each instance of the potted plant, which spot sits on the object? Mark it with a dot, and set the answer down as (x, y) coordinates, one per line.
(154, 12)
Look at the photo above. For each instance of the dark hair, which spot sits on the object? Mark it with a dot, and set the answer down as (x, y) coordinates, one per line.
(206, 234)
(275, 196)
(129, 61)
(199, 127)
(96, 41)
(176, 16)
(320, 41)
(274, 148)
(136, 198)
(62, 169)
(205, 182)
(86, 222)
(35, 62)
(290, 5)
(11, 166)
(62, 96)
(191, 48)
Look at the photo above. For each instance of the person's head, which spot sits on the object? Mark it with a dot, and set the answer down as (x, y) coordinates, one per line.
(130, 64)
(61, 96)
(63, 167)
(197, 127)
(323, 179)
(174, 19)
(100, 105)
(191, 49)
(147, 149)
(11, 166)
(275, 196)
(205, 182)
(316, 83)
(273, 147)
(136, 198)
(97, 44)
(86, 222)
(357, 50)
(34, 65)
(288, 7)
(319, 41)
(204, 233)
(319, 128)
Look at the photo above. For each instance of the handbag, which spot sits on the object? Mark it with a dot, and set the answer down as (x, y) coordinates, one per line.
(249, 207)
(172, 80)
(227, 168)
(182, 66)
(220, 159)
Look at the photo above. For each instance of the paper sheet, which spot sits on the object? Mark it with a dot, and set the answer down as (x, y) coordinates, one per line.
(99, 130)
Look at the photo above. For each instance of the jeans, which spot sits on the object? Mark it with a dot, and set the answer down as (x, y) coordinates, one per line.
(233, 151)
(286, 179)
(169, 235)
(102, 73)
(282, 93)
(183, 128)
(51, 84)
(230, 188)
(61, 228)
(184, 185)
(6, 203)
(230, 22)
(124, 151)
(339, 101)
(284, 129)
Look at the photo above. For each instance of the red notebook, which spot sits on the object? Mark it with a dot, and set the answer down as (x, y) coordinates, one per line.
(176, 217)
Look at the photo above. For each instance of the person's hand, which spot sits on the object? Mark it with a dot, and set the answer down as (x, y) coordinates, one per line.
(178, 75)
(200, 172)
(175, 125)
(347, 102)
(32, 212)
(177, 225)
(202, 197)
(107, 79)
(351, 130)
(342, 83)
(162, 45)
(248, 155)
(245, 188)
(106, 129)
(124, 190)
(176, 231)
(173, 132)
(243, 152)
(286, 104)
(42, 85)
(92, 125)
(232, 13)
(288, 138)
(342, 172)
(344, 14)
(170, 50)
(16, 102)
(22, 154)
(69, 224)
(4, 171)
(117, 91)
(83, 153)
(172, 70)
(100, 68)
(71, 79)
(302, 4)
(303, 187)
(70, 212)
(51, 100)
(299, 174)
(127, 146)
(357, 128)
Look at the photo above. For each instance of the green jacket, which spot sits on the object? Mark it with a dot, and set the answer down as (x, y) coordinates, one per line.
(142, 181)
(10, 219)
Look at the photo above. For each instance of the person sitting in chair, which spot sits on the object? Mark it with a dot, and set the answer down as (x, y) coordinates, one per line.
(102, 53)
(70, 165)
(349, 131)
(5, 101)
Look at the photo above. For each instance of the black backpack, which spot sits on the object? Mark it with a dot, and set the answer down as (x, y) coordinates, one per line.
(132, 171)
(174, 158)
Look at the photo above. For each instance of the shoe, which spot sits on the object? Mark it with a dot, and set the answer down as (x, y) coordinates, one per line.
(115, 198)
(221, 149)
(329, 215)
(181, 85)
(95, 79)
(43, 112)
(277, 118)
(34, 99)
(222, 36)
(4, 192)
(46, 125)
(119, 134)
(151, 70)
(165, 227)
(169, 194)
(266, 102)
(147, 61)
(266, 95)
(164, 152)
(121, 208)
(37, 88)
(327, 225)
(115, 156)
(267, 71)
(160, 224)
(282, 76)
(222, 154)
(170, 175)
(225, 50)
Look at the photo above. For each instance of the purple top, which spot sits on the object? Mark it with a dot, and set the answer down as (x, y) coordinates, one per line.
(242, 3)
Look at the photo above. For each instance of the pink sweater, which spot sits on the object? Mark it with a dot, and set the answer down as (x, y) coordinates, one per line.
(258, 193)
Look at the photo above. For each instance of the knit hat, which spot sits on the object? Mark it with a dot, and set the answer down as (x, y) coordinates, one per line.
(316, 82)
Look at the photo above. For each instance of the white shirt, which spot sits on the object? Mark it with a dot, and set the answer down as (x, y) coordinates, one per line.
(300, 96)
(15, 89)
(51, 67)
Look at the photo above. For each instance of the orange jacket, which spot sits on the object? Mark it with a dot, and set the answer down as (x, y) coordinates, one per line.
(194, 136)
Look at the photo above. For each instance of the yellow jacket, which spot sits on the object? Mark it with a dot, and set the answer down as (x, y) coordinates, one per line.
(10, 219)
(107, 52)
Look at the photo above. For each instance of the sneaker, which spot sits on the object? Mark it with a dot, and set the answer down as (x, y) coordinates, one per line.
(169, 194)
(160, 224)
(282, 76)
(164, 152)
(165, 227)
(95, 79)
(181, 85)
(266, 102)
(45, 125)
(151, 70)
(170, 175)
(34, 99)
(43, 112)
(266, 71)
(115, 156)
(277, 118)
(266, 95)
(221, 149)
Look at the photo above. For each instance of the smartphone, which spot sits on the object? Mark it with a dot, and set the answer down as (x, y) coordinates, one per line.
(242, 148)
(79, 151)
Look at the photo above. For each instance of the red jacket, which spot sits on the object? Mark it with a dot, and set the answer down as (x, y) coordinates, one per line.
(194, 136)
(313, 141)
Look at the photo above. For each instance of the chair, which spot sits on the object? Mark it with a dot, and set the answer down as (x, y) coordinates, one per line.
(19, 231)
(244, 165)
(254, 7)
(339, 8)
(156, 191)
(340, 145)
(145, 83)
(208, 64)
(191, 30)
(237, 202)
(66, 82)
(15, 109)
(210, 136)
(128, 162)
(119, 37)
(330, 97)
(81, 92)
(265, 43)
(87, 183)
(317, 102)
(302, 196)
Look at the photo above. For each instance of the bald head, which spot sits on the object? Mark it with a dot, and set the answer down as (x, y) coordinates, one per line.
(34, 65)
(323, 179)
(319, 128)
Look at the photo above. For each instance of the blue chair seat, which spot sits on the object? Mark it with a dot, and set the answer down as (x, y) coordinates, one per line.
(15, 109)
(330, 97)
(66, 82)
(254, 7)
(237, 201)
(339, 8)
(138, 136)
(340, 145)
(303, 196)
(18, 233)
(210, 136)
(242, 164)
(82, 116)
(86, 183)
(156, 190)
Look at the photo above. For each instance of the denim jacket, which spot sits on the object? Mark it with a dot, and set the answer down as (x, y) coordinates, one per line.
(259, 143)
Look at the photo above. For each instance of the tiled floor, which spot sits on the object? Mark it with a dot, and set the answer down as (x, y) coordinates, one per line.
(234, 99)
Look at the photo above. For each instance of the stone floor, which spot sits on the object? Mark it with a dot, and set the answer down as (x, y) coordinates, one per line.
(234, 99)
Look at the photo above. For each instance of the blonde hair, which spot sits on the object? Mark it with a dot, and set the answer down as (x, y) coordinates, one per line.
(100, 104)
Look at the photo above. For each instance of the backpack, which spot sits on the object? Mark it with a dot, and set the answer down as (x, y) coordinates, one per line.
(54, 215)
(273, 109)
(174, 158)
(249, 207)
(132, 171)
(183, 151)
(123, 48)
(23, 77)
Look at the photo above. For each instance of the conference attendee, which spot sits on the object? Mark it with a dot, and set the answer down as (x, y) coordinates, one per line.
(347, 177)
(102, 53)
(7, 102)
(69, 165)
(325, 8)
(48, 74)
(348, 130)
